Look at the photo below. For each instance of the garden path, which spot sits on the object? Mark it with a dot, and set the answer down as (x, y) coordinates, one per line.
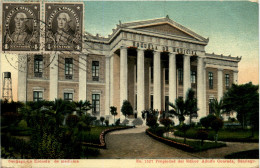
(134, 143)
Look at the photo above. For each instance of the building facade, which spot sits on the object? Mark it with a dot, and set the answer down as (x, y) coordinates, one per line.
(150, 63)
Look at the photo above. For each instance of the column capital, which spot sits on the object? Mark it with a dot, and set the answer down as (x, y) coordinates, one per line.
(174, 53)
(141, 49)
(123, 47)
(220, 69)
(235, 71)
(156, 51)
(187, 55)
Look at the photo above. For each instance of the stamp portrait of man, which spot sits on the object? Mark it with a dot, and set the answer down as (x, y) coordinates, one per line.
(64, 34)
(22, 33)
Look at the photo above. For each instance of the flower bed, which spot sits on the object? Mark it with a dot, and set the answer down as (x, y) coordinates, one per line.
(171, 142)
(102, 137)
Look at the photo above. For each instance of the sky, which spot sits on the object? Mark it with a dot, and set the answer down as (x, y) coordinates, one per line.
(231, 26)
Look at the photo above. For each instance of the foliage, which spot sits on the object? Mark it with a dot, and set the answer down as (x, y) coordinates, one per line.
(10, 106)
(157, 131)
(224, 135)
(22, 124)
(117, 122)
(201, 134)
(82, 107)
(10, 118)
(216, 125)
(178, 109)
(72, 120)
(217, 107)
(184, 128)
(127, 108)
(191, 104)
(102, 119)
(113, 111)
(107, 122)
(166, 122)
(206, 121)
(244, 99)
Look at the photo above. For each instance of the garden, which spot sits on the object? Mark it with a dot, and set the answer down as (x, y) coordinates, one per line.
(211, 131)
(52, 130)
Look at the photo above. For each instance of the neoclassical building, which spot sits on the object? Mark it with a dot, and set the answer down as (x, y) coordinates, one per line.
(150, 63)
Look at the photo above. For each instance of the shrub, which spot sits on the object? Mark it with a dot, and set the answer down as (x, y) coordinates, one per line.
(127, 108)
(22, 124)
(102, 119)
(72, 120)
(201, 134)
(107, 122)
(184, 128)
(152, 122)
(117, 122)
(166, 122)
(10, 117)
(125, 122)
(206, 121)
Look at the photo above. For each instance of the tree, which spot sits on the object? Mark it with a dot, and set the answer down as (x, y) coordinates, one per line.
(178, 109)
(217, 107)
(184, 128)
(201, 134)
(102, 119)
(127, 108)
(216, 125)
(166, 122)
(82, 107)
(244, 99)
(113, 111)
(191, 104)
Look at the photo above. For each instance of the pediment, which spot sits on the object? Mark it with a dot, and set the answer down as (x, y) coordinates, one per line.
(165, 28)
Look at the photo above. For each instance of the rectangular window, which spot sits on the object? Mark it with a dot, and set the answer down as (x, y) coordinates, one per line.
(180, 76)
(68, 97)
(38, 65)
(193, 77)
(68, 68)
(95, 103)
(210, 80)
(95, 70)
(37, 95)
(210, 106)
(167, 76)
(151, 102)
(227, 81)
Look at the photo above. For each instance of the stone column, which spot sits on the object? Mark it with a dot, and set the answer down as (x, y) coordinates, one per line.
(111, 80)
(200, 88)
(186, 74)
(140, 80)
(22, 78)
(54, 77)
(123, 75)
(220, 83)
(83, 77)
(235, 77)
(107, 102)
(157, 80)
(172, 78)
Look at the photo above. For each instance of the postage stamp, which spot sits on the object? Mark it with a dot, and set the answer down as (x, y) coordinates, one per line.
(64, 27)
(20, 27)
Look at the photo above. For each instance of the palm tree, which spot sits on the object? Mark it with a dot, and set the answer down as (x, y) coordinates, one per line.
(191, 104)
(82, 107)
(178, 109)
(217, 107)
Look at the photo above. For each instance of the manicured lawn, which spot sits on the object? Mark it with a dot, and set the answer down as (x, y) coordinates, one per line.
(251, 154)
(197, 144)
(93, 135)
(225, 135)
